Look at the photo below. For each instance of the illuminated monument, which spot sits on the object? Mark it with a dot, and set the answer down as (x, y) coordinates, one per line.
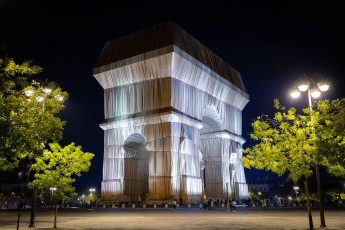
(173, 119)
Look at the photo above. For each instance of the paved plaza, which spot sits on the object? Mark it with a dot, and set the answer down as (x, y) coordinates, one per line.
(167, 218)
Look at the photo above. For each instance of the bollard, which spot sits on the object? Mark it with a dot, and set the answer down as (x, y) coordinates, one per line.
(189, 205)
(154, 206)
(133, 205)
(177, 205)
(166, 205)
(123, 205)
(144, 205)
(113, 205)
(103, 205)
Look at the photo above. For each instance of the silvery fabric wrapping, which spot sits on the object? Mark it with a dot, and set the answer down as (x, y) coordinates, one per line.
(172, 125)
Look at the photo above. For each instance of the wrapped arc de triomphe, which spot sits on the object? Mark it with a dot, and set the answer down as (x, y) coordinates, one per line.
(173, 119)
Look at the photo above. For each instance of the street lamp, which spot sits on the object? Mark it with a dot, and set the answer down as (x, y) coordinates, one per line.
(54, 189)
(307, 84)
(92, 190)
(91, 197)
(296, 188)
(41, 90)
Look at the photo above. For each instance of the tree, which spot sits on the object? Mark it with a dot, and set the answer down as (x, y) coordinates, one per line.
(57, 167)
(26, 125)
(29, 120)
(331, 143)
(292, 144)
(286, 145)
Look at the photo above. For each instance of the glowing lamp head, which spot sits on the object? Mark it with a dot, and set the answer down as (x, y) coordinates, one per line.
(39, 98)
(323, 86)
(47, 90)
(295, 93)
(303, 85)
(29, 92)
(315, 93)
(59, 97)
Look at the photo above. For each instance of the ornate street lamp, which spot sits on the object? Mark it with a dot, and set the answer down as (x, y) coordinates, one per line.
(314, 91)
(42, 90)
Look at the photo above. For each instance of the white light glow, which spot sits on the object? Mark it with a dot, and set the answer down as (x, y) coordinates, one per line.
(29, 92)
(303, 85)
(59, 97)
(39, 98)
(47, 90)
(295, 93)
(323, 86)
(315, 93)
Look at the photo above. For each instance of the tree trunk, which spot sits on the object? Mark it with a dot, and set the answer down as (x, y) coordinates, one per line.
(322, 215)
(33, 205)
(311, 226)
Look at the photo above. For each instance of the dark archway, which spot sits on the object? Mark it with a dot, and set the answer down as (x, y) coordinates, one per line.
(135, 168)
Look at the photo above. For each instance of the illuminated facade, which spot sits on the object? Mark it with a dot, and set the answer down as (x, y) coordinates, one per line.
(173, 119)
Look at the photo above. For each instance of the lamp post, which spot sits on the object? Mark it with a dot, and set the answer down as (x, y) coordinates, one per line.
(315, 92)
(91, 196)
(54, 189)
(296, 188)
(92, 190)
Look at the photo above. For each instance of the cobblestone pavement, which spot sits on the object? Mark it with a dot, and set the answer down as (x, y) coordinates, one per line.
(167, 218)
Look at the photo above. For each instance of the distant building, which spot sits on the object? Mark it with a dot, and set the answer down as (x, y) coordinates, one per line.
(264, 184)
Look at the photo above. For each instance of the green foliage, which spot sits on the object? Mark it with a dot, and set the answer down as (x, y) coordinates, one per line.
(331, 132)
(58, 166)
(26, 125)
(292, 144)
(285, 144)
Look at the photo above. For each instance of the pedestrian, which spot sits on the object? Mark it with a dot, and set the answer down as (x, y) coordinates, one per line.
(228, 204)
(174, 204)
(205, 204)
(264, 203)
(234, 203)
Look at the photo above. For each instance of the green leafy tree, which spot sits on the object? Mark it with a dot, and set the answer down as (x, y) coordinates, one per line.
(29, 121)
(58, 166)
(331, 143)
(293, 144)
(26, 124)
(285, 144)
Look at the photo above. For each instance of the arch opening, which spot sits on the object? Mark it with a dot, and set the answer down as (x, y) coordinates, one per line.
(135, 168)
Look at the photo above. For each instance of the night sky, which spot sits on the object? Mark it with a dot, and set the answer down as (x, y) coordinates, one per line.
(271, 43)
